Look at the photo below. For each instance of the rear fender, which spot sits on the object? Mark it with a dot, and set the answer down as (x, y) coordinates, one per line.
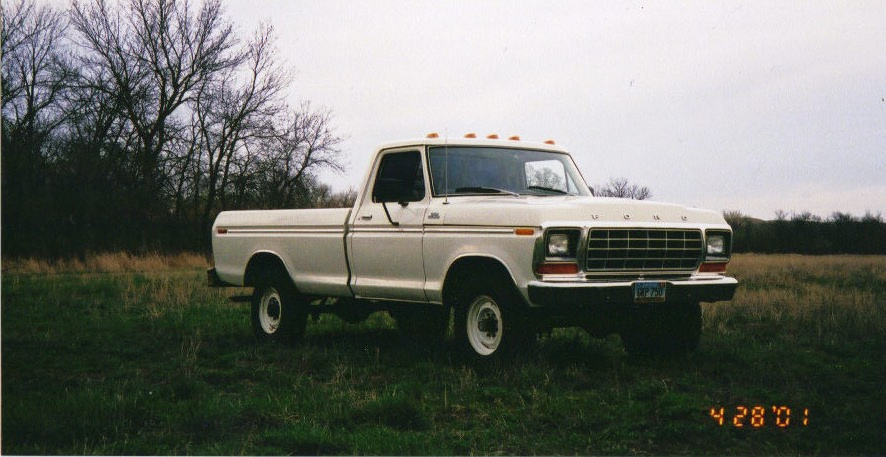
(263, 261)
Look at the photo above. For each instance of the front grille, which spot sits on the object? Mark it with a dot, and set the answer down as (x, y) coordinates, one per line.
(619, 250)
(622, 276)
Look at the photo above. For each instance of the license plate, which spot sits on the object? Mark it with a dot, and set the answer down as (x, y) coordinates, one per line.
(649, 291)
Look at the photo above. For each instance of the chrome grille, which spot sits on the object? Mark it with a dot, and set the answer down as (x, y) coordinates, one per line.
(644, 250)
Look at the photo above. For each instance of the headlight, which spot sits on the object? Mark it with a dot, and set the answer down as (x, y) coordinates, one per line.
(561, 242)
(717, 244)
(558, 245)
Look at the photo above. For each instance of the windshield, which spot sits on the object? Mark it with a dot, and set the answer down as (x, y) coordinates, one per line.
(466, 170)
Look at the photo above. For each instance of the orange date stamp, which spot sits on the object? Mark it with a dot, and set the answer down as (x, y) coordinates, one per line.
(759, 417)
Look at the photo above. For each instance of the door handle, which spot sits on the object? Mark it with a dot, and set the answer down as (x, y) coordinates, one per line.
(366, 217)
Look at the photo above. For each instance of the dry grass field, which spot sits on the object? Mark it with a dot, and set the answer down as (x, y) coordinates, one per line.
(109, 262)
(829, 297)
(120, 354)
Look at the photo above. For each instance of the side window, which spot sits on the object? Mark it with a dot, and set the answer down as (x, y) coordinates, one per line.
(400, 178)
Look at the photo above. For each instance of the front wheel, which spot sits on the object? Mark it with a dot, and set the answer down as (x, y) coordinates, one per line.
(487, 320)
(484, 327)
(278, 314)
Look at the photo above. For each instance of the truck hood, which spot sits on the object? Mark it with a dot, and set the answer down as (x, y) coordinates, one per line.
(571, 210)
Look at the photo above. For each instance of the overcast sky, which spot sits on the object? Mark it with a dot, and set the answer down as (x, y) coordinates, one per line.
(749, 106)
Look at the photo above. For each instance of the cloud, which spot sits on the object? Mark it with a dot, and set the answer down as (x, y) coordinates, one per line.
(741, 104)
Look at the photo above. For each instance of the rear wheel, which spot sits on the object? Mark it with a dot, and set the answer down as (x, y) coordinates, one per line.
(673, 328)
(278, 313)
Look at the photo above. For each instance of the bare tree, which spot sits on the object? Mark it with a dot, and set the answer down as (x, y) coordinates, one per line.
(805, 216)
(781, 215)
(153, 56)
(234, 107)
(621, 188)
(839, 217)
(36, 74)
(303, 144)
(344, 199)
(871, 218)
(145, 120)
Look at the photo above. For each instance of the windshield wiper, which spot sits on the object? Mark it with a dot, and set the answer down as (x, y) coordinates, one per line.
(486, 190)
(549, 189)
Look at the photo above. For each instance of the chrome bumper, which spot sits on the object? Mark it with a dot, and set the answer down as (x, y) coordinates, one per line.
(557, 294)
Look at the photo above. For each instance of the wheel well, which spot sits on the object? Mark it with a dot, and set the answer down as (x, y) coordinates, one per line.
(262, 262)
(466, 267)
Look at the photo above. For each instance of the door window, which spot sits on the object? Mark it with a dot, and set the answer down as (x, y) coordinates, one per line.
(400, 178)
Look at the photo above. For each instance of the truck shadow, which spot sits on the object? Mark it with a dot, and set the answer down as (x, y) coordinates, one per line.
(564, 347)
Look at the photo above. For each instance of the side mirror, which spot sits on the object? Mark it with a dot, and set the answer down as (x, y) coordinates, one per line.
(390, 190)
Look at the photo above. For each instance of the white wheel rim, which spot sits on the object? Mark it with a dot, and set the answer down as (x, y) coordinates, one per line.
(484, 325)
(270, 310)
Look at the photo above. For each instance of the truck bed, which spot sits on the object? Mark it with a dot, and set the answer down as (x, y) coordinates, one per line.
(310, 241)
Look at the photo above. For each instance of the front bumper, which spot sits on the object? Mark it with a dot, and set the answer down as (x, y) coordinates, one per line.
(575, 294)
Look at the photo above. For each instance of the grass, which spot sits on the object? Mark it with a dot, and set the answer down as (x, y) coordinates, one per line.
(136, 356)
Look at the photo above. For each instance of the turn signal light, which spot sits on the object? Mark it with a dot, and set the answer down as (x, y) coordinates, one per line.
(557, 268)
(712, 267)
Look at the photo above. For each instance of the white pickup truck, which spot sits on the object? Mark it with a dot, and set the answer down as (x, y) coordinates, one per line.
(504, 235)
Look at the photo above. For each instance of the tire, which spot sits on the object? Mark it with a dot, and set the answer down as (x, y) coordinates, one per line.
(279, 315)
(422, 322)
(673, 328)
(488, 321)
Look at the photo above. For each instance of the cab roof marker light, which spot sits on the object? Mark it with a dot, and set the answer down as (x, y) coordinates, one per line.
(514, 138)
(492, 136)
(550, 141)
(470, 135)
(433, 135)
